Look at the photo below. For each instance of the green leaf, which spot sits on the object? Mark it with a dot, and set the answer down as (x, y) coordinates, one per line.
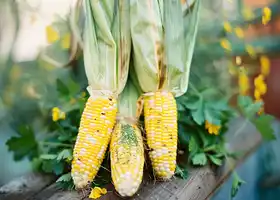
(65, 154)
(47, 166)
(212, 116)
(193, 103)
(24, 145)
(263, 124)
(181, 172)
(183, 135)
(180, 107)
(236, 184)
(252, 109)
(48, 156)
(199, 159)
(64, 178)
(193, 146)
(221, 105)
(61, 87)
(58, 168)
(198, 115)
(244, 101)
(215, 160)
(210, 148)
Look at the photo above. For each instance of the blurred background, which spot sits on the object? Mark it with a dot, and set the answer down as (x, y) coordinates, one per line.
(36, 49)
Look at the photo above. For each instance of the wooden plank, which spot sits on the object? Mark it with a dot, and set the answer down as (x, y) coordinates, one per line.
(202, 182)
(25, 186)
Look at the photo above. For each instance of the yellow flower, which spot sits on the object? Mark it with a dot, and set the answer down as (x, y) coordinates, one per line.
(52, 34)
(212, 128)
(260, 84)
(266, 15)
(97, 192)
(62, 115)
(66, 41)
(227, 27)
(57, 114)
(265, 65)
(225, 44)
(243, 82)
(239, 32)
(257, 95)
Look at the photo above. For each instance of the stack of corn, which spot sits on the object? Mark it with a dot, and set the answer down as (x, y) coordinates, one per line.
(162, 58)
(126, 148)
(107, 50)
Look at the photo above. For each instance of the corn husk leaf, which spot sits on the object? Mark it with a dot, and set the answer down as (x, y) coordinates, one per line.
(128, 100)
(107, 44)
(163, 43)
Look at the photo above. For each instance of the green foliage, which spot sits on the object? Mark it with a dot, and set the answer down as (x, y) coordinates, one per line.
(263, 122)
(51, 152)
(236, 183)
(24, 145)
(181, 172)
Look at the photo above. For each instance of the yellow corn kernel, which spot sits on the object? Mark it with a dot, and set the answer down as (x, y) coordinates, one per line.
(160, 112)
(127, 158)
(97, 122)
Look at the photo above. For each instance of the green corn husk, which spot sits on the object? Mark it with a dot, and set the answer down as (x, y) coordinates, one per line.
(107, 44)
(163, 44)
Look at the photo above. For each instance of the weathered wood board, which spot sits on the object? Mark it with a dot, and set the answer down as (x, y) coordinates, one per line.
(201, 184)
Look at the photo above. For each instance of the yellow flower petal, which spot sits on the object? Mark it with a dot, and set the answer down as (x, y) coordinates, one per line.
(262, 89)
(227, 27)
(52, 34)
(96, 192)
(55, 116)
(225, 44)
(265, 65)
(259, 80)
(266, 15)
(62, 115)
(66, 41)
(239, 32)
(103, 191)
(257, 95)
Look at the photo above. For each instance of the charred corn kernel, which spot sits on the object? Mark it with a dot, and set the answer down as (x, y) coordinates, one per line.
(160, 114)
(127, 158)
(97, 122)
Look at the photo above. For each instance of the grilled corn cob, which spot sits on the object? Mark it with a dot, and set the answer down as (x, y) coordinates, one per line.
(127, 151)
(95, 130)
(160, 114)
(106, 41)
(127, 158)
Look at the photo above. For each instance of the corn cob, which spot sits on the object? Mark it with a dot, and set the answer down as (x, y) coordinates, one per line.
(127, 158)
(160, 114)
(97, 122)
